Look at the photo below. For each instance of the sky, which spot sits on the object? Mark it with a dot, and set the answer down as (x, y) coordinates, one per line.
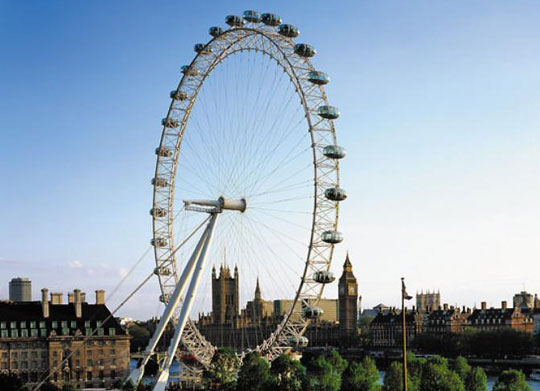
(440, 113)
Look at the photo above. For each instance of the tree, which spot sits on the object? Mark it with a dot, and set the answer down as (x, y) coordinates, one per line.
(437, 377)
(322, 376)
(338, 362)
(393, 379)
(362, 376)
(222, 372)
(128, 386)
(511, 380)
(254, 373)
(286, 374)
(476, 381)
(10, 382)
(461, 367)
(141, 336)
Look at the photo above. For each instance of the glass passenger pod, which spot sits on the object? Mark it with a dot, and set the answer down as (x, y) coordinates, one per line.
(318, 77)
(158, 212)
(324, 277)
(234, 21)
(271, 19)
(332, 237)
(170, 122)
(288, 30)
(312, 312)
(304, 50)
(178, 95)
(164, 297)
(297, 340)
(158, 242)
(334, 152)
(163, 152)
(335, 194)
(201, 48)
(160, 182)
(252, 16)
(215, 31)
(328, 112)
(188, 71)
(162, 271)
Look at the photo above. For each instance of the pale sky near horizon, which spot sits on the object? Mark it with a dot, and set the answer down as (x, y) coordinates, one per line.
(440, 105)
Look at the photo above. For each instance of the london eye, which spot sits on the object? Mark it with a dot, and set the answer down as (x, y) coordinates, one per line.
(247, 173)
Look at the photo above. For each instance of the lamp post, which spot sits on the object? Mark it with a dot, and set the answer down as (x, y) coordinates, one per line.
(404, 296)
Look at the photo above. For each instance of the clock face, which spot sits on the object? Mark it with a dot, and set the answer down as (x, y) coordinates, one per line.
(351, 289)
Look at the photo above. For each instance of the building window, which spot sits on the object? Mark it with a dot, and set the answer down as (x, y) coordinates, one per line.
(98, 323)
(77, 363)
(43, 332)
(101, 375)
(113, 374)
(24, 354)
(42, 325)
(14, 365)
(24, 333)
(112, 331)
(89, 332)
(89, 375)
(32, 325)
(14, 333)
(23, 325)
(2, 325)
(101, 332)
(54, 324)
(64, 324)
(65, 331)
(24, 365)
(55, 354)
(4, 333)
(101, 352)
(89, 362)
(34, 333)
(73, 324)
(13, 325)
(113, 362)
(112, 352)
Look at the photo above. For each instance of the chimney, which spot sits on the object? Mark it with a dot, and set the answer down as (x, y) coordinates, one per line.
(484, 305)
(78, 303)
(71, 298)
(504, 305)
(469, 311)
(100, 297)
(45, 302)
(445, 306)
(56, 298)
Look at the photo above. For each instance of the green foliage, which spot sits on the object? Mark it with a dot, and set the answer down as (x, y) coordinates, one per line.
(254, 373)
(461, 367)
(511, 380)
(286, 374)
(321, 375)
(141, 336)
(476, 381)
(436, 376)
(338, 362)
(393, 379)
(128, 386)
(10, 382)
(222, 373)
(362, 376)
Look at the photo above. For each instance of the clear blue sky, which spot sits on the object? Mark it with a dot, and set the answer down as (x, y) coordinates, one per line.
(440, 106)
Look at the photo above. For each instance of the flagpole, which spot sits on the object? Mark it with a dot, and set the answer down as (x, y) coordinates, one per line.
(404, 332)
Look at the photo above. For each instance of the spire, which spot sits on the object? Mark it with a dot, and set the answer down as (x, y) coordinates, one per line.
(258, 295)
(347, 266)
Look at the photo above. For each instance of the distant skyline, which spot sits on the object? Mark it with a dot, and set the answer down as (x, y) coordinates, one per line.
(440, 107)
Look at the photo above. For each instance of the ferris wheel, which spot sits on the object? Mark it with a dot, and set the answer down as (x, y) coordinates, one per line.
(247, 172)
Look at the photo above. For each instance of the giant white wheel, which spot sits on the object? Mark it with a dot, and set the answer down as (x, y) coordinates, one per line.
(250, 120)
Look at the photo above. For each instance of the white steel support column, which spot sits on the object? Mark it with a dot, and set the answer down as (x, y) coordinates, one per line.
(137, 374)
(163, 376)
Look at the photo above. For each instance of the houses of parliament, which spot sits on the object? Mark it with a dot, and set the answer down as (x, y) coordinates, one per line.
(228, 325)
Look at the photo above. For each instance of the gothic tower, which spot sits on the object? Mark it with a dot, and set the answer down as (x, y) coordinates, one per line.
(225, 297)
(348, 299)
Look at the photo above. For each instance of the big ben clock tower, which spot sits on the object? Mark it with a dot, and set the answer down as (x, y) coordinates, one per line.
(348, 299)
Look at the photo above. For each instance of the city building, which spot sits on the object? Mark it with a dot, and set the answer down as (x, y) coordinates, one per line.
(76, 343)
(387, 327)
(526, 301)
(429, 301)
(446, 320)
(20, 289)
(492, 319)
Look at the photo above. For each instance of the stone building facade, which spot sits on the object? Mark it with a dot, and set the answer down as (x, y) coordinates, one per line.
(75, 343)
(386, 328)
(493, 319)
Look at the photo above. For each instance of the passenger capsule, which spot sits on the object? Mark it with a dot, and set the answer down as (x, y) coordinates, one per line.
(158, 242)
(252, 16)
(164, 298)
(188, 71)
(324, 277)
(304, 50)
(170, 122)
(288, 30)
(334, 152)
(159, 182)
(201, 48)
(163, 152)
(297, 340)
(328, 112)
(178, 95)
(271, 19)
(234, 21)
(318, 77)
(214, 31)
(312, 312)
(335, 194)
(162, 271)
(332, 237)
(158, 212)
